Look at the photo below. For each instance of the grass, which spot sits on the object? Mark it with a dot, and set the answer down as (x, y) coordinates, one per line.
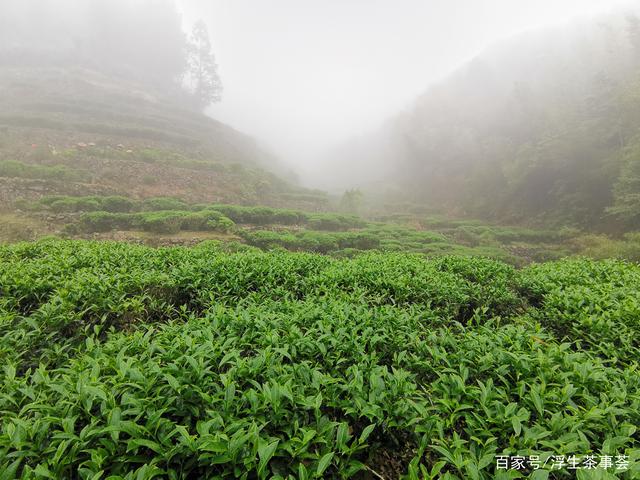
(124, 361)
(601, 246)
(17, 228)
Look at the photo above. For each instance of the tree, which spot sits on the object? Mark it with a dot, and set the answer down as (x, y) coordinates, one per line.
(633, 33)
(203, 70)
(351, 201)
(627, 189)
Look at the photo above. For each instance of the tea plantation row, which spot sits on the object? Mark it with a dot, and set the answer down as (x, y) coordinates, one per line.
(123, 361)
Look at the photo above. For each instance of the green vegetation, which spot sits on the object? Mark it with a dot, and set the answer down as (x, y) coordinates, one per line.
(600, 246)
(257, 215)
(13, 168)
(309, 241)
(303, 343)
(66, 204)
(268, 216)
(159, 222)
(328, 233)
(131, 362)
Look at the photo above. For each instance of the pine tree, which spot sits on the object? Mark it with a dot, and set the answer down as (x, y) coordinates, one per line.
(203, 70)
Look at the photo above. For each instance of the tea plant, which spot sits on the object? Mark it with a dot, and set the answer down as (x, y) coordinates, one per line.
(123, 361)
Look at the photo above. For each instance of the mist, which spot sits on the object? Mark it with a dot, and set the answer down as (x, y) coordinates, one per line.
(410, 99)
(305, 77)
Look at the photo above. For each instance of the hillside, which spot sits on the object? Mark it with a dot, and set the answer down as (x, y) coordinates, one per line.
(87, 155)
(74, 131)
(542, 128)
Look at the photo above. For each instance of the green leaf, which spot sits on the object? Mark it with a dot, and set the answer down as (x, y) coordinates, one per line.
(265, 452)
(517, 426)
(10, 371)
(537, 401)
(171, 380)
(539, 475)
(303, 473)
(43, 471)
(10, 473)
(324, 463)
(472, 470)
(342, 435)
(486, 460)
(366, 432)
(141, 442)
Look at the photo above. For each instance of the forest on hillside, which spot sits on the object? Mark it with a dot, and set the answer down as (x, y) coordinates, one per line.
(543, 127)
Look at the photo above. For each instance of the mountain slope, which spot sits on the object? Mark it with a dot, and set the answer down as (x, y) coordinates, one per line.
(70, 130)
(542, 127)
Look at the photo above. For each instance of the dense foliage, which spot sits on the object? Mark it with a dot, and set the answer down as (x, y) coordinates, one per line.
(122, 361)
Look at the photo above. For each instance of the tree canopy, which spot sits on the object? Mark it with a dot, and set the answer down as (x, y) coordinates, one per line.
(202, 74)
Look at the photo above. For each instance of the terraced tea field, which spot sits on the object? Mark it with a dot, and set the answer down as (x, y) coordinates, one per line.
(162, 221)
(124, 361)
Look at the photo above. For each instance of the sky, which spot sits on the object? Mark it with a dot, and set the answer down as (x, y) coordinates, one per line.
(302, 76)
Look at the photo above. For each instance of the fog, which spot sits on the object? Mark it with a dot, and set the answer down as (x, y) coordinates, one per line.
(304, 76)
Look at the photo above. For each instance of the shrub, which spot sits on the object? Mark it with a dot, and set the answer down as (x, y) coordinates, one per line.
(163, 203)
(162, 221)
(117, 204)
(334, 222)
(75, 205)
(601, 246)
(105, 221)
(360, 241)
(13, 168)
(206, 220)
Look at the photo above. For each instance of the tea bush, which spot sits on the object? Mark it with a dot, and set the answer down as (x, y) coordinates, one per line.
(66, 205)
(595, 305)
(163, 203)
(239, 214)
(156, 221)
(123, 361)
(14, 168)
(310, 241)
(110, 203)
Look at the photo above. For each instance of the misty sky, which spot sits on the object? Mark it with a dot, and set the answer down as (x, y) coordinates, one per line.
(303, 75)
